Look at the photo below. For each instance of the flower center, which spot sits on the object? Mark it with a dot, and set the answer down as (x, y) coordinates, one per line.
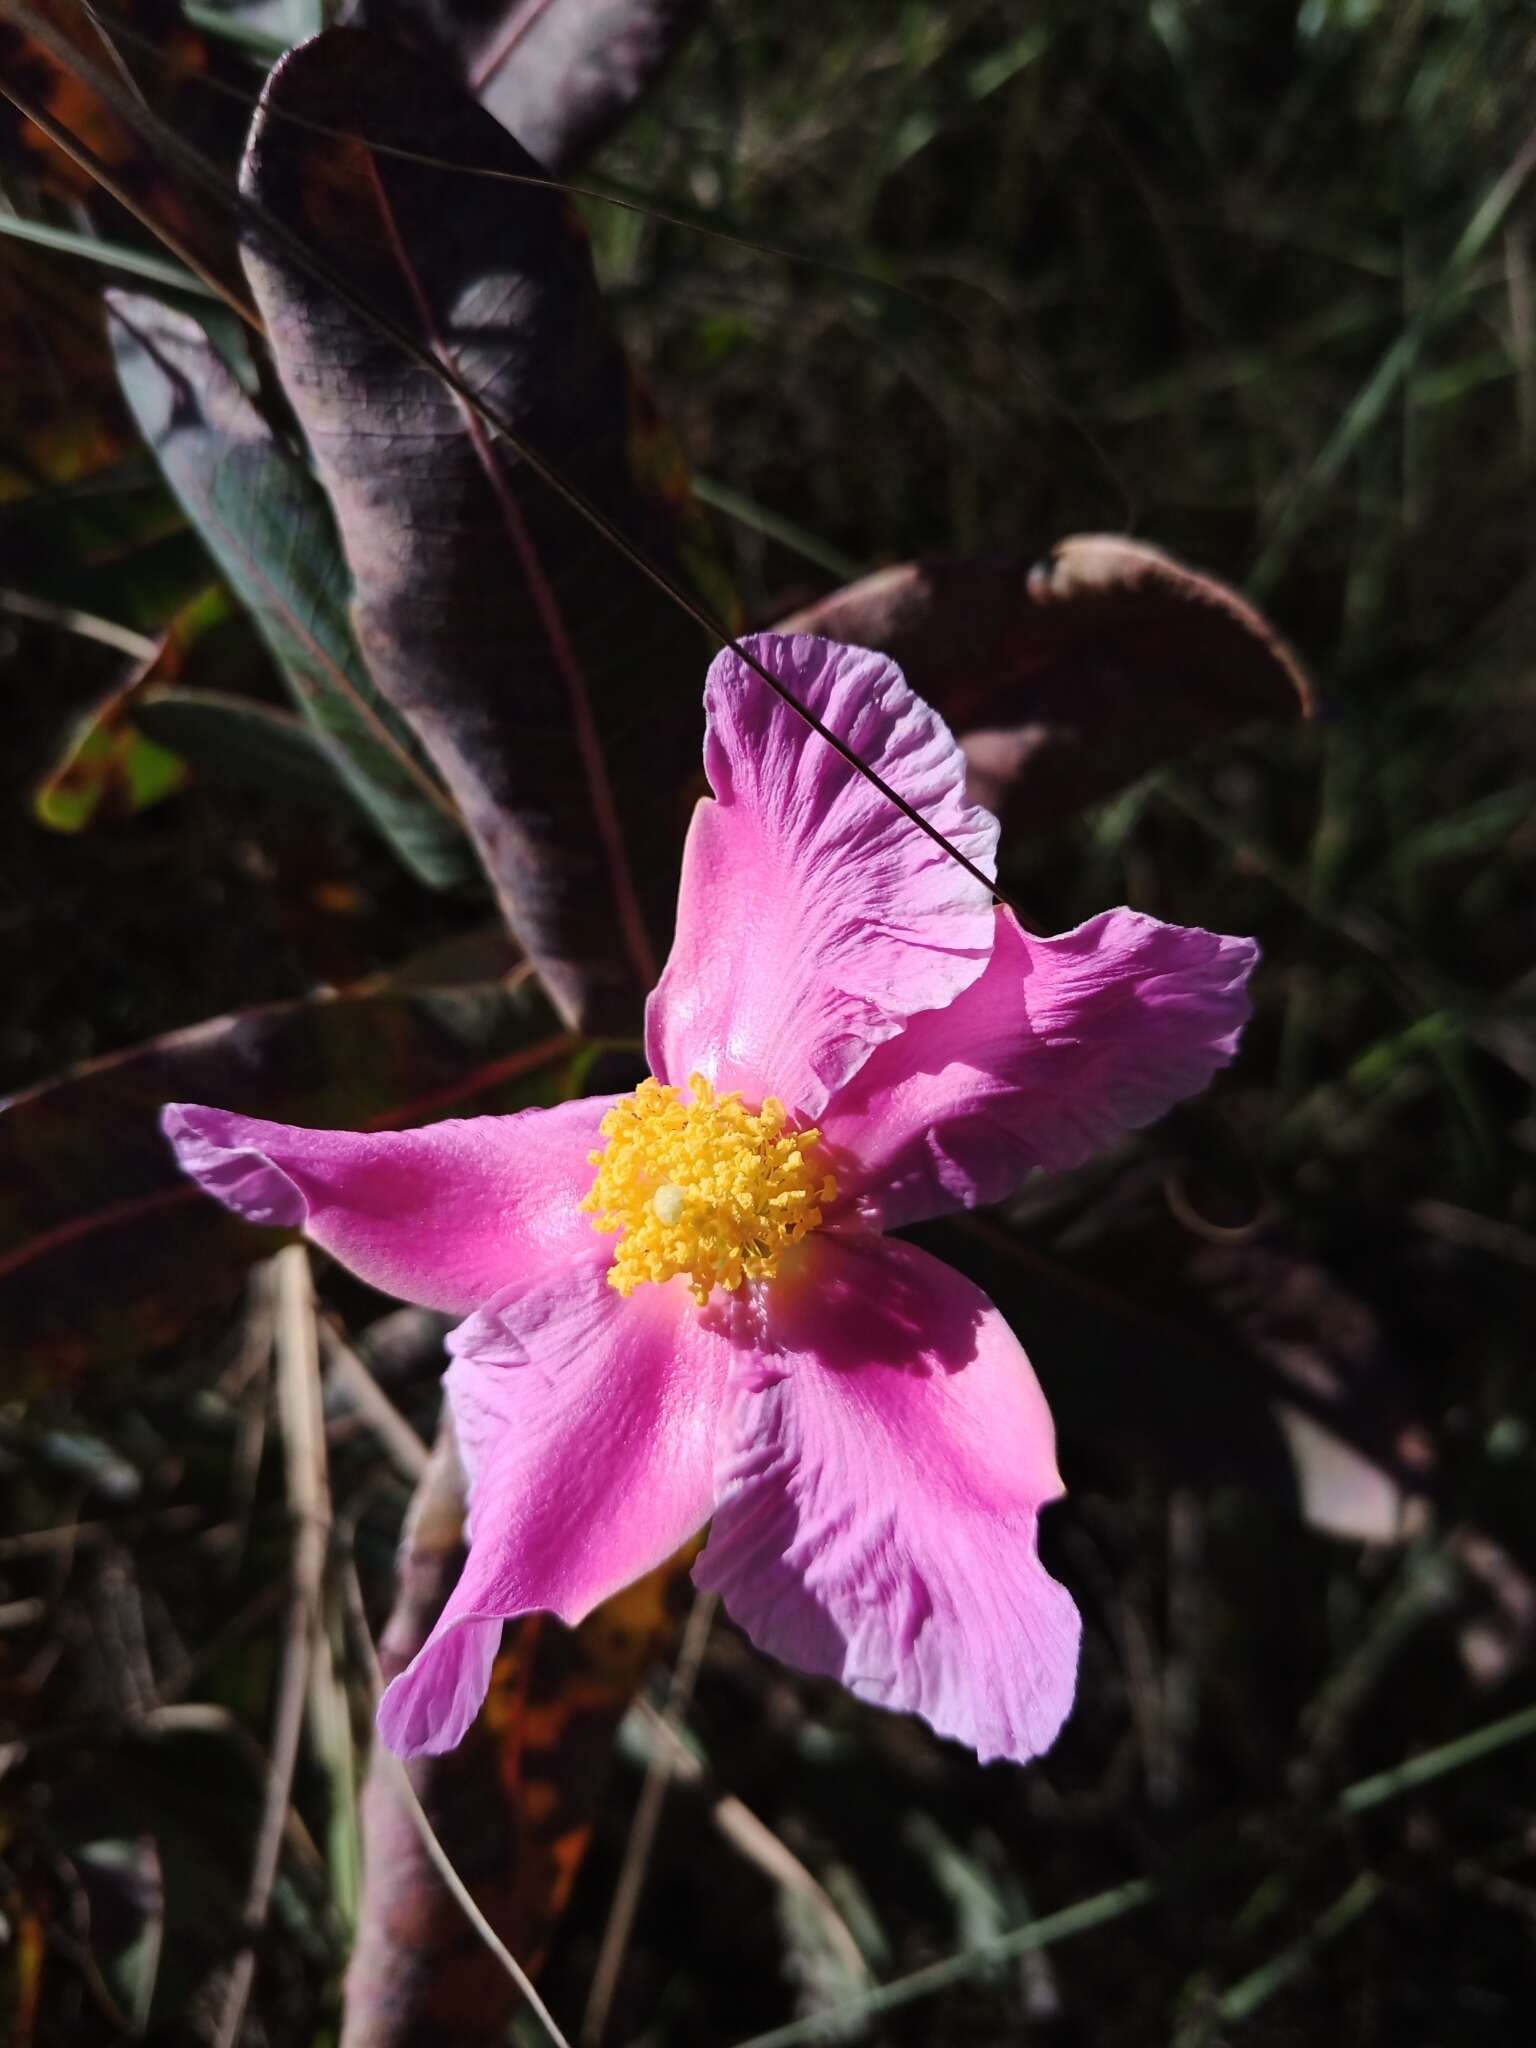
(705, 1187)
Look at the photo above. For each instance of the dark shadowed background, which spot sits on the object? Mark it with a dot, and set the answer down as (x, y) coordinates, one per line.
(1255, 285)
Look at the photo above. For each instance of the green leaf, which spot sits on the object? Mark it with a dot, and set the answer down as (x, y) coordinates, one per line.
(1482, 827)
(267, 525)
(113, 543)
(111, 765)
(246, 745)
(110, 769)
(97, 249)
(262, 28)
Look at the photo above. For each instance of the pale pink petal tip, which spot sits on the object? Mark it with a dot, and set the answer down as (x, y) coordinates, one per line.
(222, 1153)
(881, 1481)
(429, 1708)
(1059, 1049)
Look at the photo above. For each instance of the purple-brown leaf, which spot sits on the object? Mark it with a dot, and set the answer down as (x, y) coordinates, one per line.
(1070, 678)
(562, 75)
(557, 690)
(106, 1251)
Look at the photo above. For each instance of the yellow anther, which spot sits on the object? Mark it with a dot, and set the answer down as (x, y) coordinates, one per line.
(705, 1187)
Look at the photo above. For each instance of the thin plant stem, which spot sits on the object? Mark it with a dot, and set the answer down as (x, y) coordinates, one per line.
(642, 1834)
(407, 1453)
(85, 625)
(1367, 1793)
(754, 1840)
(81, 153)
(838, 2021)
(20, 227)
(789, 533)
(297, 1354)
(1370, 406)
(471, 1910)
(1246, 1996)
(599, 191)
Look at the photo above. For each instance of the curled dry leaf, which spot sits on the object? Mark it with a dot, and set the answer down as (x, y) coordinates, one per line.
(239, 743)
(554, 686)
(1073, 676)
(562, 75)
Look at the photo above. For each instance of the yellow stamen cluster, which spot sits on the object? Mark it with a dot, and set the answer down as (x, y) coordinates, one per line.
(705, 1187)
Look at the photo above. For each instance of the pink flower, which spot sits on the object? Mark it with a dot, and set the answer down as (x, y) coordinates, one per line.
(682, 1304)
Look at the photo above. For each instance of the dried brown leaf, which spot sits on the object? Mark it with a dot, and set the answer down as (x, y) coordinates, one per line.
(1071, 677)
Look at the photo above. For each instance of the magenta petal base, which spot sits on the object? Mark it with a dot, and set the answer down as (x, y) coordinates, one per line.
(586, 1425)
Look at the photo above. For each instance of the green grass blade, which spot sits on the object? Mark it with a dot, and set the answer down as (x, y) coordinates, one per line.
(788, 533)
(111, 255)
(1370, 406)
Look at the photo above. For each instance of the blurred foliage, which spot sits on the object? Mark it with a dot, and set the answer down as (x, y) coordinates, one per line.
(1257, 285)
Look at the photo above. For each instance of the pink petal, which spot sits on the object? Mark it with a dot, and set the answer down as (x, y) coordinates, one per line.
(813, 918)
(1062, 1046)
(445, 1216)
(587, 1427)
(883, 1462)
